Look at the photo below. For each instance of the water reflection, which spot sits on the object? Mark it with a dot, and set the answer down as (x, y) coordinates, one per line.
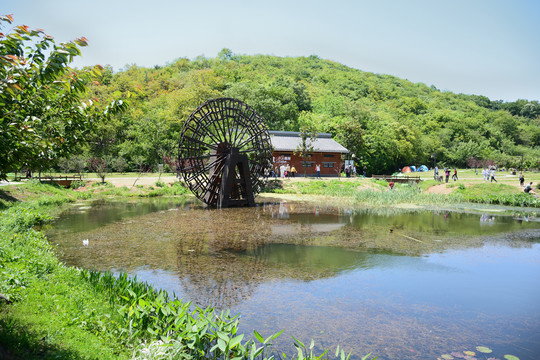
(226, 278)
(384, 281)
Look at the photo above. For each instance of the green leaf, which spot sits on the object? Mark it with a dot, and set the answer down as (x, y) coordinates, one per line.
(222, 345)
(510, 357)
(258, 352)
(258, 336)
(223, 335)
(484, 349)
(300, 353)
(235, 341)
(366, 357)
(299, 342)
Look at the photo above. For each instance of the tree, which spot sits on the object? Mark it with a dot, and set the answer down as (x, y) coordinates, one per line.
(351, 135)
(43, 115)
(305, 148)
(99, 166)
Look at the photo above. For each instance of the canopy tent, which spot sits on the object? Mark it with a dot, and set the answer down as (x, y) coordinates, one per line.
(423, 168)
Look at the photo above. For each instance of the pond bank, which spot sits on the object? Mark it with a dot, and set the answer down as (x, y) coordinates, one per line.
(57, 311)
(305, 267)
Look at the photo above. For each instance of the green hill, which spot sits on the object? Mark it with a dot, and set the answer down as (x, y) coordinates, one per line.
(387, 122)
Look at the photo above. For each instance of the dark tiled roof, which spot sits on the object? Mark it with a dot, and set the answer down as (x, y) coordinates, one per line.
(290, 141)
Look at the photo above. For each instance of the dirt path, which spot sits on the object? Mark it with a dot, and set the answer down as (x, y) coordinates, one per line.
(439, 189)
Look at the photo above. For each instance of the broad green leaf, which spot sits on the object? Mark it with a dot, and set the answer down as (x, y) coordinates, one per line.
(235, 341)
(484, 349)
(222, 345)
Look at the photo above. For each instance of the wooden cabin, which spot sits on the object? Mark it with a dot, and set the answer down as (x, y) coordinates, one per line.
(326, 151)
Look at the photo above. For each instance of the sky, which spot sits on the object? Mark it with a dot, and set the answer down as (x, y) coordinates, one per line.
(483, 47)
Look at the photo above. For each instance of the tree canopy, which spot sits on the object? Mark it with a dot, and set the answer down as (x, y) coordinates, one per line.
(385, 121)
(42, 111)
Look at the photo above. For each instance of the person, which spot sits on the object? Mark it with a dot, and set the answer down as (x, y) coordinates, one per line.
(282, 169)
(391, 185)
(492, 174)
(318, 169)
(347, 171)
(521, 179)
(485, 174)
(365, 171)
(454, 177)
(293, 171)
(528, 189)
(447, 173)
(288, 170)
(436, 171)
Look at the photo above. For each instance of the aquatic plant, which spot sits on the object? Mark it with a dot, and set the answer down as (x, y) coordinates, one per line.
(151, 315)
(471, 355)
(521, 200)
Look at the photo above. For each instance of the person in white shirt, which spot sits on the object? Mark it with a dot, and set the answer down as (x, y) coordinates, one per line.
(492, 173)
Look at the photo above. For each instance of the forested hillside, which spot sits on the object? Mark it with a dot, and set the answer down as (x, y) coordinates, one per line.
(385, 121)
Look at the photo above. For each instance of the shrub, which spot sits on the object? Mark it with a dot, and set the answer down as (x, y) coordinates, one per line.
(77, 184)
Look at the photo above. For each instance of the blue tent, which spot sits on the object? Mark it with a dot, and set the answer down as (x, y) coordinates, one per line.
(423, 168)
(413, 168)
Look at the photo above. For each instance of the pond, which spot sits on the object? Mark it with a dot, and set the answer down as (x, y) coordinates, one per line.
(400, 284)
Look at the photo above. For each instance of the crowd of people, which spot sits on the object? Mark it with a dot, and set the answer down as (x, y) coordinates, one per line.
(284, 171)
(488, 175)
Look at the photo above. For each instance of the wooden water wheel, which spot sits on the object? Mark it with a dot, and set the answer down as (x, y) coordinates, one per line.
(225, 153)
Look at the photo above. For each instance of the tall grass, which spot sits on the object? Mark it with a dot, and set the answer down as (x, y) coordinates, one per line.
(401, 194)
(498, 194)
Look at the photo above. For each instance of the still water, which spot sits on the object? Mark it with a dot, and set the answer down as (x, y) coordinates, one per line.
(399, 284)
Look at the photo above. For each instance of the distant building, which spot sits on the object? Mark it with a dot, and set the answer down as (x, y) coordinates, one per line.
(326, 151)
